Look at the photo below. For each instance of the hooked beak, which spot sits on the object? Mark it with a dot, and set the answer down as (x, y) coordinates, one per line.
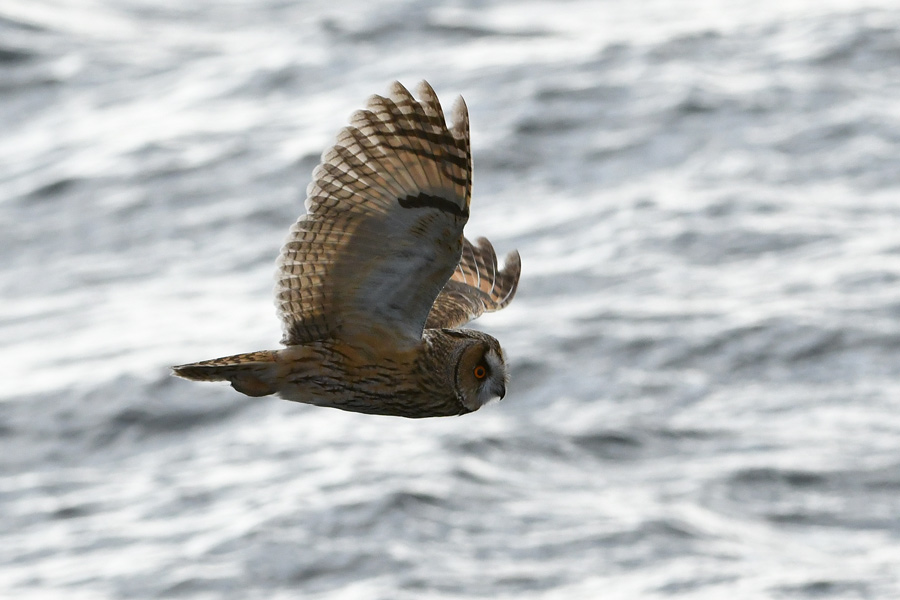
(501, 391)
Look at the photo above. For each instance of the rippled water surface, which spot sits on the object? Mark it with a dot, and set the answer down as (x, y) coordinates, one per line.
(704, 347)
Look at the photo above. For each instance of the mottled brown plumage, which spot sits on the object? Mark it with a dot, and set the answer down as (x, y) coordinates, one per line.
(375, 277)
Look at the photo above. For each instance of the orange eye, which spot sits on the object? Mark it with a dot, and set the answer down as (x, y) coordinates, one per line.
(480, 372)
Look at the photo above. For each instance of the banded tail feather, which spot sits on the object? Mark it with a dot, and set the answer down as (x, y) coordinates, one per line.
(248, 373)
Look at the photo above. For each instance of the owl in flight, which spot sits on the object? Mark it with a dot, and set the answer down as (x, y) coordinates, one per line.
(376, 279)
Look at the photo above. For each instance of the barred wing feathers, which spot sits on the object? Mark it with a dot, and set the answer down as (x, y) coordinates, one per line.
(477, 286)
(383, 229)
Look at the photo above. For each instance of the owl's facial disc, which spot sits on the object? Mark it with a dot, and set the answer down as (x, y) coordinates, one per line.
(481, 375)
(494, 384)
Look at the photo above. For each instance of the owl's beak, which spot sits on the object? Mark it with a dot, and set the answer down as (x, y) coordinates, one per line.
(501, 391)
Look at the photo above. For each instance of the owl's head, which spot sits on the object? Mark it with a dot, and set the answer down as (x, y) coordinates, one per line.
(480, 368)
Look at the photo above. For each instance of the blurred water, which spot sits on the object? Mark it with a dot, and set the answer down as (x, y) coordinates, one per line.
(704, 344)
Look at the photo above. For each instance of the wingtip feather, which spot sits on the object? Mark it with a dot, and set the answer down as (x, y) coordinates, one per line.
(512, 269)
(459, 114)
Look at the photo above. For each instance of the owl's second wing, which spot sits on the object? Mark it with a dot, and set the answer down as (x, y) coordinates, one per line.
(383, 229)
(477, 286)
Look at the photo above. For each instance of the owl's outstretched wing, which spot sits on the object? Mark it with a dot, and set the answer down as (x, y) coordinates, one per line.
(383, 229)
(477, 286)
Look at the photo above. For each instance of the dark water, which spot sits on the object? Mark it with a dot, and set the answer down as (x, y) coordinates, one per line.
(704, 345)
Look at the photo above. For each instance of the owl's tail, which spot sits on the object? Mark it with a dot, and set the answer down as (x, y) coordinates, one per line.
(249, 373)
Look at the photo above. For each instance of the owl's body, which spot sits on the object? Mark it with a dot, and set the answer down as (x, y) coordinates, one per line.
(376, 279)
(411, 382)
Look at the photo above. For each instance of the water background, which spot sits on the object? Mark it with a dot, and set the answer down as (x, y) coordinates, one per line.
(704, 346)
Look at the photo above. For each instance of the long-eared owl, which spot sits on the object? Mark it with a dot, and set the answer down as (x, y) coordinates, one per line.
(376, 279)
